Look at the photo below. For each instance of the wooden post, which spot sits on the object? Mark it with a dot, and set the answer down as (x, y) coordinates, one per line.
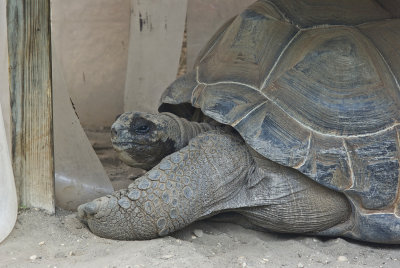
(29, 51)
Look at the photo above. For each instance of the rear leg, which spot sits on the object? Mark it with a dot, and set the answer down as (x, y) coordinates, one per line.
(284, 200)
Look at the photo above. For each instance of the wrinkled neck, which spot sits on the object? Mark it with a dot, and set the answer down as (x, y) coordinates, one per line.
(187, 130)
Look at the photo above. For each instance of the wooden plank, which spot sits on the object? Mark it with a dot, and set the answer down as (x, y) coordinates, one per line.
(156, 35)
(28, 27)
(8, 195)
(204, 17)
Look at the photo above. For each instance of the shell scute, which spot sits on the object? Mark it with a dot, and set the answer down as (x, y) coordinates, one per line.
(247, 49)
(228, 103)
(385, 35)
(376, 168)
(275, 134)
(308, 13)
(335, 82)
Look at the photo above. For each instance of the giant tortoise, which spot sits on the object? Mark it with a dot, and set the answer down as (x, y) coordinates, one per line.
(290, 118)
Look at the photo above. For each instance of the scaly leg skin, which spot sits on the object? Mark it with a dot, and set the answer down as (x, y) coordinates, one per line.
(193, 183)
(216, 172)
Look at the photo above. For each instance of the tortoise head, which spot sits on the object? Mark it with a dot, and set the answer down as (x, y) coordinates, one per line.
(143, 139)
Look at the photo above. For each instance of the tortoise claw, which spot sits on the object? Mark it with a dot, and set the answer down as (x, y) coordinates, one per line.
(87, 210)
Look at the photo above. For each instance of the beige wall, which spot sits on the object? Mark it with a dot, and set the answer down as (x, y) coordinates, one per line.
(90, 38)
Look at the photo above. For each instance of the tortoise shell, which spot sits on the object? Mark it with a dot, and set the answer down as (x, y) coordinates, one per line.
(312, 85)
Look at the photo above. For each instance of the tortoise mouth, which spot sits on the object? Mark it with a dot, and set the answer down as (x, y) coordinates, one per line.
(122, 144)
(126, 145)
(139, 156)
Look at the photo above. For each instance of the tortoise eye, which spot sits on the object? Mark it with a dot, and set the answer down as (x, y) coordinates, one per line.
(142, 129)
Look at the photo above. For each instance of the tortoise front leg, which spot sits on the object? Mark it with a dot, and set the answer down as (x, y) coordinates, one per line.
(193, 183)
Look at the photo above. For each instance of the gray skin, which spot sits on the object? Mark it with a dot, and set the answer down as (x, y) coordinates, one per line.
(142, 139)
(206, 171)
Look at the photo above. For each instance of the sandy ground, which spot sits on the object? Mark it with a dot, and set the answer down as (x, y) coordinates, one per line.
(41, 240)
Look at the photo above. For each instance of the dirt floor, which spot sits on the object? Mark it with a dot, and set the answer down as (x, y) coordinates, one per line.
(41, 240)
